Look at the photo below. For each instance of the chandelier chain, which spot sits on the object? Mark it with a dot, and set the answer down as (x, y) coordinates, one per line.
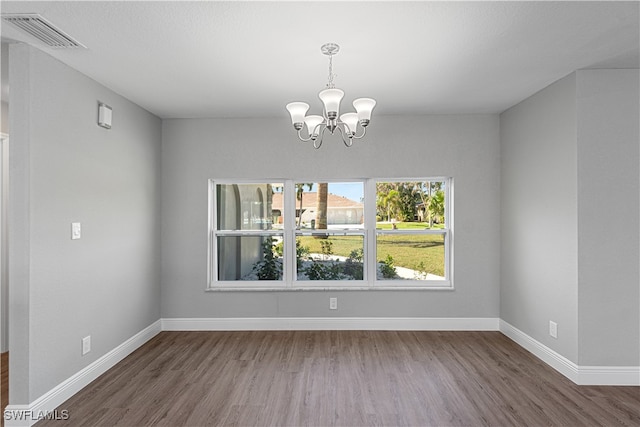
(330, 84)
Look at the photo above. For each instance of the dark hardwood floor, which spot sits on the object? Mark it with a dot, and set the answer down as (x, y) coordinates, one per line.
(4, 384)
(342, 378)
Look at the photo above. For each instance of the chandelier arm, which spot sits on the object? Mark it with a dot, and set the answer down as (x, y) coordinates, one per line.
(313, 132)
(364, 132)
(303, 139)
(317, 143)
(348, 143)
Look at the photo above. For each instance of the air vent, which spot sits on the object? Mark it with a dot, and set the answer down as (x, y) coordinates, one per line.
(43, 30)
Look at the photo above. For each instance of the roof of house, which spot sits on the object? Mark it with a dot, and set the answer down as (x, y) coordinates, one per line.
(309, 200)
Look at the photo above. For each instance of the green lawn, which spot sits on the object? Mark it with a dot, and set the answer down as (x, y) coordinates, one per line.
(407, 226)
(342, 245)
(407, 251)
(410, 251)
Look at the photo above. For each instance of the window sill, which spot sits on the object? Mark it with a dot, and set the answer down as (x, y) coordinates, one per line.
(231, 288)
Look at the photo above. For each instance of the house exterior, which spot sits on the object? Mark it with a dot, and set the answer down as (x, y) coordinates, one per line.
(340, 210)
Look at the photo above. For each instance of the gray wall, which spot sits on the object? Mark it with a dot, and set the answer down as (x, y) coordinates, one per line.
(4, 246)
(4, 180)
(570, 217)
(463, 146)
(608, 217)
(4, 117)
(64, 169)
(4, 78)
(539, 263)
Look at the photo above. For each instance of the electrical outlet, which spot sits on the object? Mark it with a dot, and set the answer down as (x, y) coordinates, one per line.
(553, 329)
(333, 303)
(86, 345)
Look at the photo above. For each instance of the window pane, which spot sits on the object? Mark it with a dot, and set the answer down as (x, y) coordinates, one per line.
(417, 204)
(410, 256)
(334, 205)
(330, 257)
(249, 258)
(248, 206)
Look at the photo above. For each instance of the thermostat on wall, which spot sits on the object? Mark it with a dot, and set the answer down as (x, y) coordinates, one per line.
(104, 115)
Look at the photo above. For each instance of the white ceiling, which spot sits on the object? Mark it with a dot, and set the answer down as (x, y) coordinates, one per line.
(248, 59)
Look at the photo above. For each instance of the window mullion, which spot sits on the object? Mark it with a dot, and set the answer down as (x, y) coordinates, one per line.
(212, 266)
(448, 223)
(289, 256)
(370, 230)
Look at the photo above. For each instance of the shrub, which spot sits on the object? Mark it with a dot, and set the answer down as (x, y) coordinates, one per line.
(421, 271)
(327, 248)
(353, 266)
(270, 267)
(387, 268)
(323, 271)
(302, 252)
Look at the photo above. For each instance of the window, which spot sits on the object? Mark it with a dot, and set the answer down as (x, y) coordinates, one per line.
(247, 233)
(330, 231)
(411, 230)
(296, 234)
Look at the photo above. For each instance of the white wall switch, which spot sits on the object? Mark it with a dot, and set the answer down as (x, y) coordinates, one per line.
(333, 303)
(86, 345)
(553, 329)
(76, 230)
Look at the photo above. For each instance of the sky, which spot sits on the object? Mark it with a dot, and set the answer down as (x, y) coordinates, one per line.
(351, 190)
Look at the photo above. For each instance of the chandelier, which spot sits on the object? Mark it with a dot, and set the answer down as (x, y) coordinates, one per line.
(346, 124)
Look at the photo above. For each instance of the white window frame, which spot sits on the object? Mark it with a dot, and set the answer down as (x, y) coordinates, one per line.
(446, 232)
(214, 233)
(331, 284)
(289, 275)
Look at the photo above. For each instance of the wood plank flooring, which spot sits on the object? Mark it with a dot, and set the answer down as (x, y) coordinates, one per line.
(4, 384)
(341, 378)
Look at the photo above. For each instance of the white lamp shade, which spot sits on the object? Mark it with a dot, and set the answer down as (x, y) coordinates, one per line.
(312, 124)
(297, 111)
(351, 120)
(331, 99)
(364, 107)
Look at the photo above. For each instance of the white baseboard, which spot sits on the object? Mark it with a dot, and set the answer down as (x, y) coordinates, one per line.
(541, 351)
(609, 375)
(331, 323)
(27, 415)
(45, 405)
(581, 375)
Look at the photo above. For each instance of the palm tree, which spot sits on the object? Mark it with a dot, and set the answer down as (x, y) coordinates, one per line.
(393, 203)
(425, 198)
(321, 206)
(436, 206)
(299, 191)
(432, 197)
(387, 199)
